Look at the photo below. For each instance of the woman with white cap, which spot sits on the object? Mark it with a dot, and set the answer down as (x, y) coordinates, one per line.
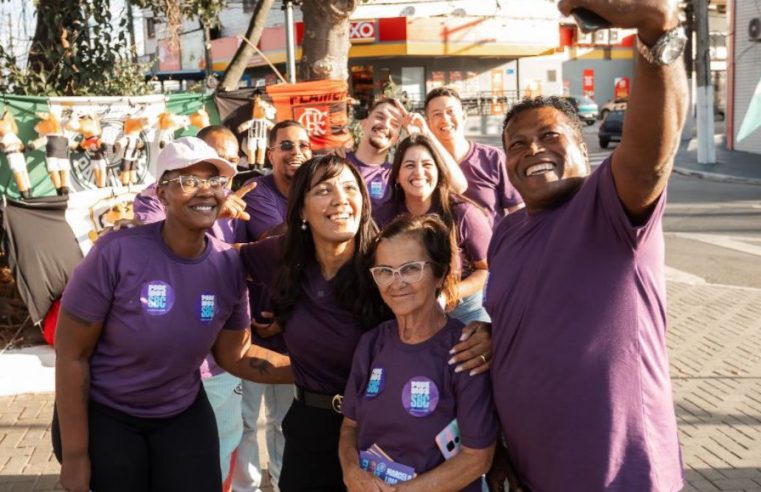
(138, 316)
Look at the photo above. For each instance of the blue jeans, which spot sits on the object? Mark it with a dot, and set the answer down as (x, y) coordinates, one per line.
(471, 308)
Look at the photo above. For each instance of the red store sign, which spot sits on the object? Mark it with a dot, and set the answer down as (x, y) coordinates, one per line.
(362, 31)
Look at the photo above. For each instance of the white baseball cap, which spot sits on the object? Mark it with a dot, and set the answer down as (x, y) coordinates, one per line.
(186, 151)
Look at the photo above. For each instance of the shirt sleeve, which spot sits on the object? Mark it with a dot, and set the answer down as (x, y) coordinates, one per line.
(476, 415)
(240, 317)
(147, 207)
(264, 214)
(261, 260)
(90, 291)
(508, 195)
(475, 233)
(634, 235)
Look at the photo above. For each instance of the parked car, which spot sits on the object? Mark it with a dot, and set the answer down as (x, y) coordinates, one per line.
(611, 129)
(613, 105)
(585, 107)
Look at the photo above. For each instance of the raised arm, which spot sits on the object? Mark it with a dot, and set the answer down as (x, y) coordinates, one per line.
(75, 340)
(657, 105)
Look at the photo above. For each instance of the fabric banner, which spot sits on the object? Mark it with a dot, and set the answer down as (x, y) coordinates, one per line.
(111, 111)
(320, 106)
(46, 238)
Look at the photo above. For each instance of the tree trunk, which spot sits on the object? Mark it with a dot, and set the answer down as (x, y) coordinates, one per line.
(325, 47)
(238, 64)
(52, 15)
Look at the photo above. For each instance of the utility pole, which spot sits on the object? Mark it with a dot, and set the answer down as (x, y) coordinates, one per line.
(689, 67)
(290, 45)
(706, 147)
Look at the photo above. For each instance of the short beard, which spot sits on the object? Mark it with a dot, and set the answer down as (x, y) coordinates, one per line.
(378, 146)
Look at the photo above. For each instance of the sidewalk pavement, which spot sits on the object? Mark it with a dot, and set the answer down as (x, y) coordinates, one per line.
(731, 166)
(715, 350)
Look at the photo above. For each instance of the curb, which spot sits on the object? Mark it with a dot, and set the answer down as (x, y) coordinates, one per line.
(721, 178)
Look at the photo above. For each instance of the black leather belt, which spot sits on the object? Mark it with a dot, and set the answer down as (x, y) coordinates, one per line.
(319, 400)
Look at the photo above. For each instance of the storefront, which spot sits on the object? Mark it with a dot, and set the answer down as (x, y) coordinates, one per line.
(744, 77)
(477, 55)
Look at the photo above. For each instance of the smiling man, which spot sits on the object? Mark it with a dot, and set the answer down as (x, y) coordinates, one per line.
(482, 165)
(577, 293)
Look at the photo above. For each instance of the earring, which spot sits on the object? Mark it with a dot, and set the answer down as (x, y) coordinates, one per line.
(303, 224)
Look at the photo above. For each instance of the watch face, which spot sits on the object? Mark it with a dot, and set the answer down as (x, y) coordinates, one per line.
(673, 50)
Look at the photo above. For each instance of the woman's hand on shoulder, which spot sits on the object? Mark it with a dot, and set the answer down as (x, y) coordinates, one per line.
(75, 474)
(473, 353)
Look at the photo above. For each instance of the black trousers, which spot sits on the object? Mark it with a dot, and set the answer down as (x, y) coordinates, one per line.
(310, 457)
(130, 454)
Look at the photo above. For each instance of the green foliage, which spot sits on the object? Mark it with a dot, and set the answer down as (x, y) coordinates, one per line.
(77, 51)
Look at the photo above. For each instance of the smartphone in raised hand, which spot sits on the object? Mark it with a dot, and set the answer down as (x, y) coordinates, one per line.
(588, 21)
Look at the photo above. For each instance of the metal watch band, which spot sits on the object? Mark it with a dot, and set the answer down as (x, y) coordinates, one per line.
(653, 54)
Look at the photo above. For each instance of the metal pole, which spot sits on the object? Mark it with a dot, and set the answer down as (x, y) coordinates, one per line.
(706, 147)
(290, 45)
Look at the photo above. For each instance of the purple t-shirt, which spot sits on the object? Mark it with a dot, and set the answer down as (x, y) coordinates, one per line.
(147, 208)
(402, 396)
(376, 179)
(266, 206)
(321, 335)
(161, 315)
(577, 297)
(485, 170)
(473, 230)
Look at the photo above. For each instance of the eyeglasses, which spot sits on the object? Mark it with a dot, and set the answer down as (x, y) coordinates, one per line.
(190, 183)
(409, 273)
(287, 146)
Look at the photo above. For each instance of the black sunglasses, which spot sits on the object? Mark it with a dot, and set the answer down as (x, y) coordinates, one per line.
(287, 146)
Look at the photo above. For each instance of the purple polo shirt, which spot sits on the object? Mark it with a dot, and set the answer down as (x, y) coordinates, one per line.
(266, 206)
(376, 179)
(147, 208)
(403, 395)
(161, 315)
(577, 297)
(321, 335)
(473, 230)
(485, 170)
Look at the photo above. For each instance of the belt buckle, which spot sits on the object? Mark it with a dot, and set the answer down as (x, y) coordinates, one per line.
(337, 403)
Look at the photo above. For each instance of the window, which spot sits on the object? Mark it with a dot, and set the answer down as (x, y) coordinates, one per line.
(552, 75)
(150, 27)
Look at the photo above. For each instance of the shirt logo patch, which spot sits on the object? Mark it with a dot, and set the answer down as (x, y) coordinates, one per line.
(376, 383)
(208, 305)
(157, 298)
(420, 396)
(377, 189)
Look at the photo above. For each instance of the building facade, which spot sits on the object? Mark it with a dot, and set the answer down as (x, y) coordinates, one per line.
(744, 81)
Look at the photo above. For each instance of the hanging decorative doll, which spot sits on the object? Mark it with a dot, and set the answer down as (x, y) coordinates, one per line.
(89, 128)
(13, 149)
(132, 146)
(169, 123)
(257, 128)
(56, 144)
(200, 119)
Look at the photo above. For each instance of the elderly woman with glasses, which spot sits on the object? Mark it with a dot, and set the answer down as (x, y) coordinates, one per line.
(410, 420)
(138, 316)
(320, 296)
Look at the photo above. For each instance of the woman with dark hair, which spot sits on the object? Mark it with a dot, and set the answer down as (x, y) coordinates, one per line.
(421, 186)
(409, 419)
(322, 298)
